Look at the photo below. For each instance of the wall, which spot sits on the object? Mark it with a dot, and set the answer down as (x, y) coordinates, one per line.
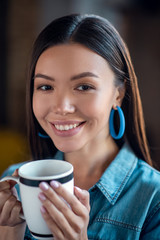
(138, 25)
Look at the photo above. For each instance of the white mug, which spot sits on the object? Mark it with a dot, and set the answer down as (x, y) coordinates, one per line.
(30, 176)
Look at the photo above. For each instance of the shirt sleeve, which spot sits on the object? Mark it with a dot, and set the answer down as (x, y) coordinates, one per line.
(151, 229)
(10, 170)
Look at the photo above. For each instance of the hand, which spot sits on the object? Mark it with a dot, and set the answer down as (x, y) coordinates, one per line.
(66, 215)
(10, 207)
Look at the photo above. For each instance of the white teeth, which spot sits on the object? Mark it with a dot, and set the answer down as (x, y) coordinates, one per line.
(66, 127)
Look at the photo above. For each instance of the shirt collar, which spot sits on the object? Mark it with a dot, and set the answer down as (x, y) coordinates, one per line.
(117, 174)
(59, 155)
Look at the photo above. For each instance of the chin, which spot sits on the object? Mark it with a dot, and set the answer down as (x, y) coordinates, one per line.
(66, 148)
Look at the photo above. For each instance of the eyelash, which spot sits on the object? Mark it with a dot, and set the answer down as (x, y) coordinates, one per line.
(44, 88)
(85, 88)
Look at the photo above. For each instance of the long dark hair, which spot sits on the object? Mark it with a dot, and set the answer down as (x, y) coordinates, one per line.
(100, 36)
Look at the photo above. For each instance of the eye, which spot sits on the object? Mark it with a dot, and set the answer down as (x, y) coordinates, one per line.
(84, 87)
(45, 88)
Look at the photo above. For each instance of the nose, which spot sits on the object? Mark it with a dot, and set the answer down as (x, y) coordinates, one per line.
(63, 104)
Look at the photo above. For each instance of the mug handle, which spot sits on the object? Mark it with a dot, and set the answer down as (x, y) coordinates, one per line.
(16, 179)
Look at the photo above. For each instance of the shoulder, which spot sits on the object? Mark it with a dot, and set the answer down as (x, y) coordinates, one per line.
(142, 173)
(148, 175)
(147, 182)
(10, 170)
(143, 185)
(150, 188)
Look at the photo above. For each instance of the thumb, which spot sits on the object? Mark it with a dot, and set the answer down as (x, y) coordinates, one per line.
(15, 174)
(11, 182)
(83, 196)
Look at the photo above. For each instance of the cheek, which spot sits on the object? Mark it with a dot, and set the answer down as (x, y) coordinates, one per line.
(39, 107)
(97, 107)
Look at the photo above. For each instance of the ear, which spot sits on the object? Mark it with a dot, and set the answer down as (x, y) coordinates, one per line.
(120, 93)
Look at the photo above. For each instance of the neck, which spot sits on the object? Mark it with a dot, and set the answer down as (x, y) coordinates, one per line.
(90, 162)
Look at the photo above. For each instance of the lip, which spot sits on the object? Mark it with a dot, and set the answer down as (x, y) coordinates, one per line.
(70, 132)
(67, 122)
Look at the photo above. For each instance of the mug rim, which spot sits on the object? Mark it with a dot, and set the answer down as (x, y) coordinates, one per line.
(45, 178)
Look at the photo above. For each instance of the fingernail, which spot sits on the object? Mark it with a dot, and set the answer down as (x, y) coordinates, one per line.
(43, 210)
(42, 196)
(44, 186)
(54, 184)
(79, 189)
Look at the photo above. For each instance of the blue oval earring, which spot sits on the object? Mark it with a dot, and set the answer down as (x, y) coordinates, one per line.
(42, 135)
(122, 123)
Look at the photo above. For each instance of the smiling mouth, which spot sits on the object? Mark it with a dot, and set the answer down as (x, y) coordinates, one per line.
(66, 127)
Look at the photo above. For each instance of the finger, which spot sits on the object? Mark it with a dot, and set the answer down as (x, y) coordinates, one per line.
(15, 214)
(61, 213)
(12, 182)
(14, 192)
(56, 207)
(76, 214)
(4, 185)
(76, 206)
(57, 233)
(58, 224)
(15, 174)
(4, 196)
(61, 191)
(83, 197)
(10, 212)
(6, 210)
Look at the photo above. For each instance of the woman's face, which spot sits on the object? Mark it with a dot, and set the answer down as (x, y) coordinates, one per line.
(74, 92)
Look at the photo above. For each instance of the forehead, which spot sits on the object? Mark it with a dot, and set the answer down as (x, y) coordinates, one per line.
(71, 57)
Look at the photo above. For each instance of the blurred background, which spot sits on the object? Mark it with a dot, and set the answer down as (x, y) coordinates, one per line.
(138, 22)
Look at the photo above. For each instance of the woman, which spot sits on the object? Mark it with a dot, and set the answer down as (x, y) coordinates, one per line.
(81, 85)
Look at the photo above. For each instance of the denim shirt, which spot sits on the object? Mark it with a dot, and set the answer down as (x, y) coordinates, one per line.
(125, 202)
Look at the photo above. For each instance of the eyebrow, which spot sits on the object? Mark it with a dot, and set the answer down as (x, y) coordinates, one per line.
(39, 75)
(83, 75)
(76, 77)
